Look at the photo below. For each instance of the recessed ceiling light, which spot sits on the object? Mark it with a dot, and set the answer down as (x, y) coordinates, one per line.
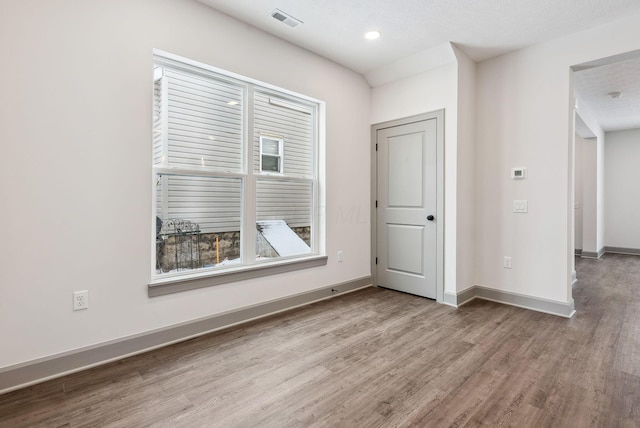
(233, 103)
(372, 35)
(615, 94)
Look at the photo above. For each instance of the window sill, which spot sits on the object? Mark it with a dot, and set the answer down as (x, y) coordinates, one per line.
(162, 286)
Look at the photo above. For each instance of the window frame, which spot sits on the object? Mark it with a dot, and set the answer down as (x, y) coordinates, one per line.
(279, 156)
(165, 283)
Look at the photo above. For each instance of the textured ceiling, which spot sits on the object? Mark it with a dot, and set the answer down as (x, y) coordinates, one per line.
(481, 28)
(594, 84)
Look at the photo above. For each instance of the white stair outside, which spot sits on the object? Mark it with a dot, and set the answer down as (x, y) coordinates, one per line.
(282, 238)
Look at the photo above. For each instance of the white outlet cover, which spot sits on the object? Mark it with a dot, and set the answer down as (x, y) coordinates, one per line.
(80, 300)
(520, 206)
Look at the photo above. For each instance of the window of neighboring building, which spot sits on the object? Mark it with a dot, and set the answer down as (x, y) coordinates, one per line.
(270, 154)
(236, 171)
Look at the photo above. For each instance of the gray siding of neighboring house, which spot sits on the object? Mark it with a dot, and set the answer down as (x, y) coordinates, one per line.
(202, 129)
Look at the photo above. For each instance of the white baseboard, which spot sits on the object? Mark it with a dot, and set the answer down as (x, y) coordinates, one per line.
(621, 250)
(561, 309)
(593, 254)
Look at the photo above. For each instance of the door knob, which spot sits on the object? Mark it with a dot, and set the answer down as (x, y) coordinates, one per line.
(430, 217)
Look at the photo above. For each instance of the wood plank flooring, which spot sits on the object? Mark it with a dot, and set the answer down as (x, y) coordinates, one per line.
(377, 358)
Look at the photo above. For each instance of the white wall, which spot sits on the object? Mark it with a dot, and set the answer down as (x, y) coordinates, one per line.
(75, 127)
(466, 167)
(578, 186)
(591, 171)
(622, 189)
(525, 118)
(590, 195)
(425, 92)
(600, 185)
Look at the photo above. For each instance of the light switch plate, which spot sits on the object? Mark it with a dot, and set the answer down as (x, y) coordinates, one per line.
(520, 206)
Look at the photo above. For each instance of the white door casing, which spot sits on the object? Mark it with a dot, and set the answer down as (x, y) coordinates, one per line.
(408, 217)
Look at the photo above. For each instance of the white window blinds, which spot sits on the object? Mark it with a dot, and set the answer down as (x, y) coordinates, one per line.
(205, 122)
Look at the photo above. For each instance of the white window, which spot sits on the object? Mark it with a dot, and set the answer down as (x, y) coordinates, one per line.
(270, 154)
(236, 172)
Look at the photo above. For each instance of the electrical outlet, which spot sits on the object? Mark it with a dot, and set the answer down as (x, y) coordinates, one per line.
(507, 262)
(339, 256)
(80, 300)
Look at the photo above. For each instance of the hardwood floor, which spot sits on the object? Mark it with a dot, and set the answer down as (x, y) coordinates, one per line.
(377, 358)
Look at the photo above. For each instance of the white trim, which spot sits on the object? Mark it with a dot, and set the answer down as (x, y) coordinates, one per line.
(592, 254)
(318, 223)
(538, 304)
(279, 156)
(248, 217)
(236, 76)
(622, 250)
(450, 299)
(459, 298)
(158, 73)
(179, 277)
(204, 172)
(248, 175)
(290, 106)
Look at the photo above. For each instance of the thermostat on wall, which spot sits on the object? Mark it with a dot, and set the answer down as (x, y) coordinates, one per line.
(518, 173)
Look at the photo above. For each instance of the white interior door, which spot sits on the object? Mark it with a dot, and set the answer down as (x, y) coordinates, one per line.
(407, 206)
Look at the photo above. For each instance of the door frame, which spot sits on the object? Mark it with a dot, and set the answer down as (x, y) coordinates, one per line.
(438, 115)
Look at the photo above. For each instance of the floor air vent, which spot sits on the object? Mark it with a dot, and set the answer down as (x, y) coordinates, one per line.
(287, 19)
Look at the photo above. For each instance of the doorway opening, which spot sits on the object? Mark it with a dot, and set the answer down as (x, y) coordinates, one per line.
(606, 151)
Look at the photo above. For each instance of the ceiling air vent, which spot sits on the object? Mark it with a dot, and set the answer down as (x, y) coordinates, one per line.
(287, 19)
